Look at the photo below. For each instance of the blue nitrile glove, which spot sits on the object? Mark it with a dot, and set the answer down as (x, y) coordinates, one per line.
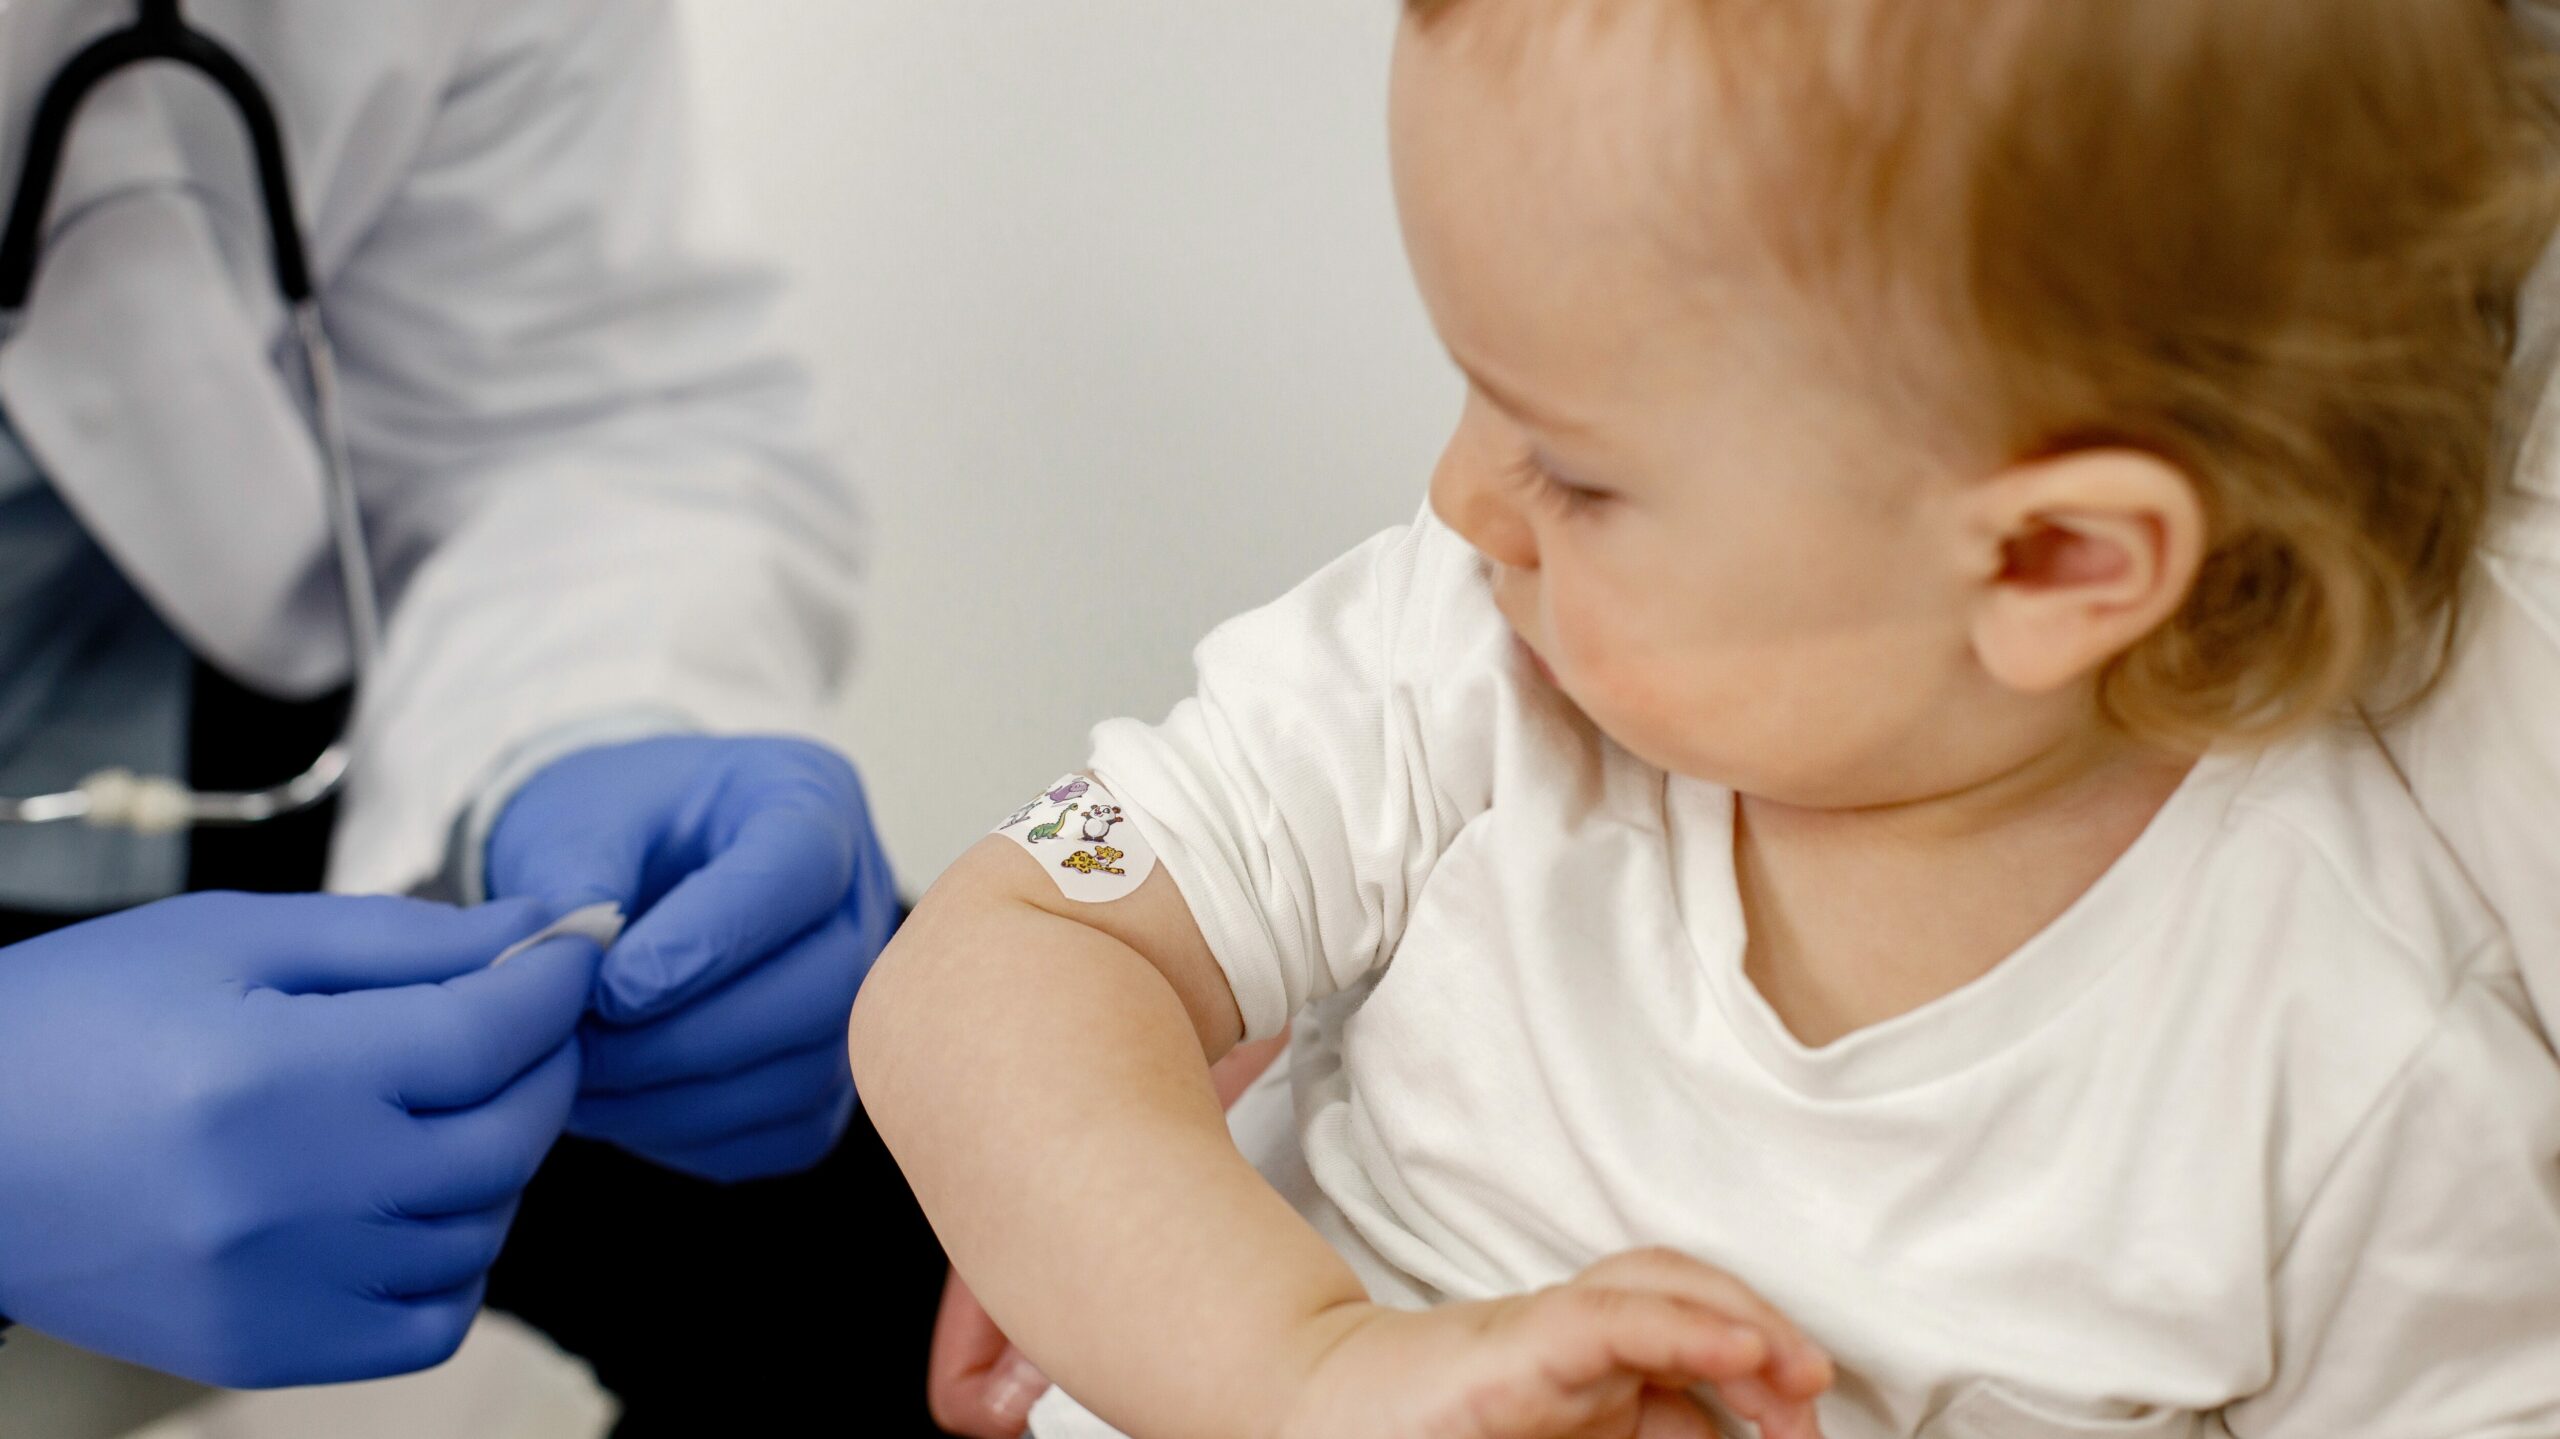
(260, 1140)
(760, 898)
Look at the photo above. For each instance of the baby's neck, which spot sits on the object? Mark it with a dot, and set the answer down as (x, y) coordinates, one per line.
(1857, 916)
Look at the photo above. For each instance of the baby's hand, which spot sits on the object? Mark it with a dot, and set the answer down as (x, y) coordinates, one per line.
(1606, 1355)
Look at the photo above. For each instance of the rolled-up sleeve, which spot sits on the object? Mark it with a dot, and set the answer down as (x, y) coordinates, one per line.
(1337, 742)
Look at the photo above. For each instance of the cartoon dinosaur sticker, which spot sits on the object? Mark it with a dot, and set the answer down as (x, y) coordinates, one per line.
(1101, 859)
(1068, 789)
(1052, 829)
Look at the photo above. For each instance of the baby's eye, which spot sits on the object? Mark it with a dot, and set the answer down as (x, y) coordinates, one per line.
(1570, 496)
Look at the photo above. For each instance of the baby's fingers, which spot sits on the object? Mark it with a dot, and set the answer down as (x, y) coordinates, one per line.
(1668, 1414)
(1799, 1368)
(1586, 1334)
(1773, 1416)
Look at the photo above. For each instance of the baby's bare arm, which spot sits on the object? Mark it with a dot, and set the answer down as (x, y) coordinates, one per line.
(1040, 1069)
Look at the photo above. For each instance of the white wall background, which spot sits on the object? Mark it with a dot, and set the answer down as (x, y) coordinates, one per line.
(1112, 320)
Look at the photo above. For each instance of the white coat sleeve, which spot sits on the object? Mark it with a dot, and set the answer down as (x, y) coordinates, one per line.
(2418, 1296)
(586, 464)
(1338, 741)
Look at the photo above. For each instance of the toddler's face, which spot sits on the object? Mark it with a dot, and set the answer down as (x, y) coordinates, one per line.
(1734, 567)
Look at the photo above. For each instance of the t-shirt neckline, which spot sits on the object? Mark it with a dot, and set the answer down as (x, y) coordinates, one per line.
(1972, 1023)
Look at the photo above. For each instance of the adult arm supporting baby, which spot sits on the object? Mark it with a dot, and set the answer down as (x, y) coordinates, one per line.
(1040, 1069)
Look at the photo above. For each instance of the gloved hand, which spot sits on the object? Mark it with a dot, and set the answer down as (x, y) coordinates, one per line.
(760, 898)
(260, 1140)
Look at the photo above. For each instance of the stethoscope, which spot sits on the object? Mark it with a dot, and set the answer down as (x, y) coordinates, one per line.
(160, 803)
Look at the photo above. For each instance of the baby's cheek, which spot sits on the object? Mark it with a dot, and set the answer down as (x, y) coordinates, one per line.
(1674, 700)
(1632, 689)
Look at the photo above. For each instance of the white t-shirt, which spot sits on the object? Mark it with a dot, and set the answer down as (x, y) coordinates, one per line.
(2483, 754)
(2260, 1134)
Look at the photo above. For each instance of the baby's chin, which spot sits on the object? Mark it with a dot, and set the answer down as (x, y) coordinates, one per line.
(1645, 741)
(1784, 757)
(1795, 780)
(1537, 663)
(1727, 762)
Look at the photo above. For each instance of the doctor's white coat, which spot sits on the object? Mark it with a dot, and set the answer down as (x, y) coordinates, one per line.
(582, 460)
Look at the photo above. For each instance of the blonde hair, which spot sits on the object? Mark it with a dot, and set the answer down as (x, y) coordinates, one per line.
(2278, 243)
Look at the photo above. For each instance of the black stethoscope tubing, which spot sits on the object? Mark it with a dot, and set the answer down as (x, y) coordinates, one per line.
(118, 798)
(158, 32)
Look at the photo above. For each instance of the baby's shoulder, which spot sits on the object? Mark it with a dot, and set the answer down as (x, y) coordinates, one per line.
(2344, 951)
(2323, 832)
(2347, 935)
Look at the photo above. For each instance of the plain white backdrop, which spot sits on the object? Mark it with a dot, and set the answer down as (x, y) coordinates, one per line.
(1111, 320)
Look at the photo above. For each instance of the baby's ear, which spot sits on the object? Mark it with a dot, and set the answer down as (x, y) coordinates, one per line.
(2078, 557)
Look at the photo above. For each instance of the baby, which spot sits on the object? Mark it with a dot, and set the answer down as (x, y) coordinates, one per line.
(1840, 878)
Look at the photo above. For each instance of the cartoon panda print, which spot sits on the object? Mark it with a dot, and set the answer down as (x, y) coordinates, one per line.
(1098, 822)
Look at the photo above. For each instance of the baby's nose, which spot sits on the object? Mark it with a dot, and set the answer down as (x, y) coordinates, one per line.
(1485, 512)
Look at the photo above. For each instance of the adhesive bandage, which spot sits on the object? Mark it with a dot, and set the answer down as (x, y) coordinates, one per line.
(1083, 840)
